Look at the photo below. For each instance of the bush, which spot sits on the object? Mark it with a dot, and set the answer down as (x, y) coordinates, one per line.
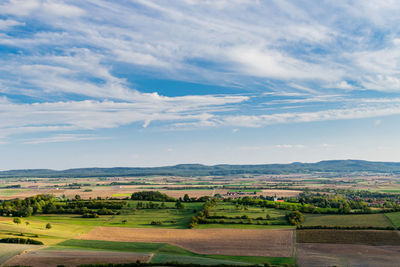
(17, 240)
(156, 223)
(295, 217)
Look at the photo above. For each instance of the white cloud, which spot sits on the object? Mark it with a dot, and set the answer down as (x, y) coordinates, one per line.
(8, 23)
(62, 138)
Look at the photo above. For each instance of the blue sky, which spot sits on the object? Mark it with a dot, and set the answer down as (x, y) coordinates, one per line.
(150, 83)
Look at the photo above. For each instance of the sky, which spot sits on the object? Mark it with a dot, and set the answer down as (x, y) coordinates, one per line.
(154, 82)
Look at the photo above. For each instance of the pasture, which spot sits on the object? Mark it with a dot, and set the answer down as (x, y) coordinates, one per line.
(394, 217)
(238, 216)
(132, 217)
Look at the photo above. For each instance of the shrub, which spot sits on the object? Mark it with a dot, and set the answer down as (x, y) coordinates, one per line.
(17, 240)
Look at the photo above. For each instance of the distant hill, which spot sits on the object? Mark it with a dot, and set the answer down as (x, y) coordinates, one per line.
(329, 166)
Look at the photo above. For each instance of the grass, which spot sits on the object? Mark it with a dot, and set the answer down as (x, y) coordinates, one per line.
(394, 218)
(58, 232)
(243, 226)
(373, 220)
(163, 258)
(10, 192)
(141, 218)
(276, 217)
(166, 252)
(121, 195)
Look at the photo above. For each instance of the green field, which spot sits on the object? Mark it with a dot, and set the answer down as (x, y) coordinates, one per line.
(372, 220)
(58, 232)
(142, 218)
(165, 252)
(394, 217)
(258, 216)
(243, 226)
(10, 192)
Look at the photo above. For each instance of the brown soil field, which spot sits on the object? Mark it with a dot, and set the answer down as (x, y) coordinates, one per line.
(280, 193)
(365, 237)
(321, 255)
(51, 258)
(243, 242)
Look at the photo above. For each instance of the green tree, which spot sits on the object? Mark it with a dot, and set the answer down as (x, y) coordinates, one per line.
(27, 223)
(48, 226)
(179, 205)
(186, 198)
(295, 217)
(17, 220)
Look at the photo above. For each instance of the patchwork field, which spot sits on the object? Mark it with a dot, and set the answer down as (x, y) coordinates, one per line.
(365, 237)
(373, 220)
(165, 252)
(244, 242)
(347, 255)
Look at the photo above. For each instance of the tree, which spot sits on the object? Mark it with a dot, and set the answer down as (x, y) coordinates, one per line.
(295, 217)
(48, 226)
(179, 205)
(27, 223)
(124, 221)
(17, 220)
(186, 198)
(77, 197)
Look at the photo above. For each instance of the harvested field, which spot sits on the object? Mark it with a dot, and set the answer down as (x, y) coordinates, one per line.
(347, 255)
(47, 258)
(243, 242)
(7, 251)
(365, 237)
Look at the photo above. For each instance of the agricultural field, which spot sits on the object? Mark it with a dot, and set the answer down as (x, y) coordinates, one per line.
(250, 216)
(365, 220)
(7, 251)
(244, 242)
(51, 258)
(132, 217)
(162, 252)
(309, 254)
(362, 237)
(394, 218)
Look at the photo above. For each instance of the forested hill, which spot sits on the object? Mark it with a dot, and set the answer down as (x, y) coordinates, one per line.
(331, 166)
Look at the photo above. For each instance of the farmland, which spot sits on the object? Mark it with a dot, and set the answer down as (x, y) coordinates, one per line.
(310, 254)
(239, 221)
(245, 242)
(364, 237)
(366, 220)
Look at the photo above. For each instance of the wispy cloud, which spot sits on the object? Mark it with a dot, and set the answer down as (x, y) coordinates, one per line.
(61, 69)
(61, 138)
